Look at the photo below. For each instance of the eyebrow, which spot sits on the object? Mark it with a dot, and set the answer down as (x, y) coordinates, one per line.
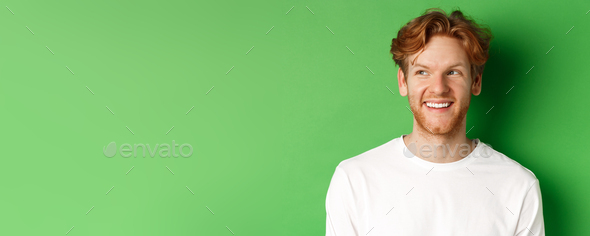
(420, 65)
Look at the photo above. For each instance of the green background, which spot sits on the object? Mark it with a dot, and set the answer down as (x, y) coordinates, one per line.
(269, 134)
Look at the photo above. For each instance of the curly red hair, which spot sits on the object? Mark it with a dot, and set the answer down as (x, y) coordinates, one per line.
(414, 36)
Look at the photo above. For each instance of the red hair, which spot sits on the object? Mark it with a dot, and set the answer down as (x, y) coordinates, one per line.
(414, 36)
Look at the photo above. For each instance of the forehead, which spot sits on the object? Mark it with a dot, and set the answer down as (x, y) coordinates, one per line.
(441, 52)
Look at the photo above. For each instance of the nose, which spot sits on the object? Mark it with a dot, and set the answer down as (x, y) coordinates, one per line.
(439, 85)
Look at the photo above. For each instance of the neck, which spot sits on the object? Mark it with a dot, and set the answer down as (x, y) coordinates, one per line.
(439, 148)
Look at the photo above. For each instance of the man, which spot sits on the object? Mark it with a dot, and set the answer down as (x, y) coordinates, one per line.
(435, 181)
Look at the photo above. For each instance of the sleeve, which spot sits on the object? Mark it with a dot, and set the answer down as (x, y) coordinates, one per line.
(530, 221)
(341, 213)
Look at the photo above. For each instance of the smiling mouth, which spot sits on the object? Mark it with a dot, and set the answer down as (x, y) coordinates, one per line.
(438, 105)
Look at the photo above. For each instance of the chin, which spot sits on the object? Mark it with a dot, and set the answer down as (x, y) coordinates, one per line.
(440, 124)
(442, 127)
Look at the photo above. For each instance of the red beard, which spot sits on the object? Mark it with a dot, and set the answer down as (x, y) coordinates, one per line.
(446, 128)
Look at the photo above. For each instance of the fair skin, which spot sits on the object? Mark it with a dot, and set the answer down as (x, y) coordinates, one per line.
(440, 75)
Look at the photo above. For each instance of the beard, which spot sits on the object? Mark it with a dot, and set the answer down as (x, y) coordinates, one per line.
(439, 126)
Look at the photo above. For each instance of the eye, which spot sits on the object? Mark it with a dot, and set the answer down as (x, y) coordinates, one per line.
(420, 72)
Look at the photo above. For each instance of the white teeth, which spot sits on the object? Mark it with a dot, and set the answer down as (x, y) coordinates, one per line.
(438, 105)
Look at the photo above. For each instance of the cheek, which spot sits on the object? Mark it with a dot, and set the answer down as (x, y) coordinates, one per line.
(416, 91)
(462, 92)
(463, 87)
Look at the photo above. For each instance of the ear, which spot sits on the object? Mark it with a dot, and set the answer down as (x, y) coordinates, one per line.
(401, 83)
(476, 86)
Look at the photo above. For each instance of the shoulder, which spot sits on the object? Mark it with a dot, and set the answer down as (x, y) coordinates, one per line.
(369, 160)
(505, 166)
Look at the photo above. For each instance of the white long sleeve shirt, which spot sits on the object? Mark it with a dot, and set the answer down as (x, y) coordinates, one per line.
(384, 192)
